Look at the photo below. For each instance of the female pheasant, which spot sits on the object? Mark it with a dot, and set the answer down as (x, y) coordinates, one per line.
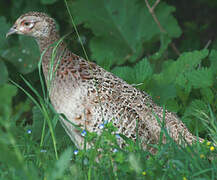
(88, 95)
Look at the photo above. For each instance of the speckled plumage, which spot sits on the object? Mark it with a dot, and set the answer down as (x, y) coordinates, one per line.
(88, 95)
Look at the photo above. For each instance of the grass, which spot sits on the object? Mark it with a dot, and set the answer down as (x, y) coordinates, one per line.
(22, 157)
(42, 150)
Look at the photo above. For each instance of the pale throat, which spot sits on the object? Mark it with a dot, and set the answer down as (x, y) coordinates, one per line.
(45, 42)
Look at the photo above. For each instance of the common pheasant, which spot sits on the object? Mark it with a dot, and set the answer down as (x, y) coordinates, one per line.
(88, 95)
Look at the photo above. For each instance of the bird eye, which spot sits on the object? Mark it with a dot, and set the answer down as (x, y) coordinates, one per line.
(26, 23)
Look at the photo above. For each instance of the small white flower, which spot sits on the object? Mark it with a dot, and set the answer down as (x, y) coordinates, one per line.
(117, 136)
(43, 151)
(101, 126)
(115, 150)
(20, 59)
(83, 133)
(75, 152)
(29, 131)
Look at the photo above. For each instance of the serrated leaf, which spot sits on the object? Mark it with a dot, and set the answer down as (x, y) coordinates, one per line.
(3, 73)
(185, 63)
(161, 93)
(137, 74)
(201, 78)
(197, 111)
(24, 56)
(208, 95)
(172, 105)
(142, 71)
(124, 29)
(125, 72)
(105, 54)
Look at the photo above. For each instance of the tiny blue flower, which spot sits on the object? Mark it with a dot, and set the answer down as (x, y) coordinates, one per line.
(117, 136)
(29, 131)
(43, 151)
(105, 122)
(115, 150)
(75, 152)
(83, 133)
(101, 126)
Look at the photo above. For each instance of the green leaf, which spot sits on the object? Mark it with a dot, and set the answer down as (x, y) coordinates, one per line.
(185, 63)
(125, 72)
(161, 92)
(24, 56)
(37, 125)
(165, 40)
(48, 1)
(176, 73)
(196, 112)
(208, 95)
(9, 157)
(172, 105)
(105, 54)
(137, 74)
(213, 60)
(201, 78)
(62, 164)
(142, 71)
(3, 30)
(122, 26)
(3, 73)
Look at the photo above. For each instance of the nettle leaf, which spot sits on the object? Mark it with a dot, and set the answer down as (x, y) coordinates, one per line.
(105, 54)
(197, 78)
(175, 73)
(121, 32)
(201, 78)
(24, 56)
(208, 95)
(126, 73)
(137, 74)
(143, 71)
(185, 63)
(196, 112)
(162, 92)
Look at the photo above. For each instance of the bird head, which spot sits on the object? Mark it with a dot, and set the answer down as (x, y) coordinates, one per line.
(35, 24)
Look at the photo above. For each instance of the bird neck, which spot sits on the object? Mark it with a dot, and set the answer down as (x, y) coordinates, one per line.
(47, 45)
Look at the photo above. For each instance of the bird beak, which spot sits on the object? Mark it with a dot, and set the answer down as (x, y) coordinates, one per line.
(13, 30)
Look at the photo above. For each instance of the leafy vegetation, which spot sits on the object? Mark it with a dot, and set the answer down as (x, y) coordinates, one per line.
(163, 49)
